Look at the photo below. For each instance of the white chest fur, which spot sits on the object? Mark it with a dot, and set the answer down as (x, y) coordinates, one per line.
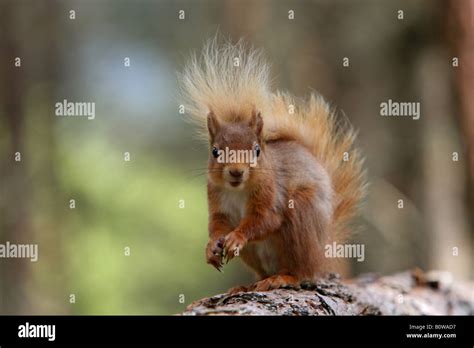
(266, 253)
(233, 203)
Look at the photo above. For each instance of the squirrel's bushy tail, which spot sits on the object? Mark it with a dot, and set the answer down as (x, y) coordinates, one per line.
(232, 80)
(229, 79)
(312, 123)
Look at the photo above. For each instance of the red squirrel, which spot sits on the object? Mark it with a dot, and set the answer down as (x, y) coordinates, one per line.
(298, 194)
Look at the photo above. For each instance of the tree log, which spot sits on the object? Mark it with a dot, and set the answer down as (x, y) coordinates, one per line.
(406, 293)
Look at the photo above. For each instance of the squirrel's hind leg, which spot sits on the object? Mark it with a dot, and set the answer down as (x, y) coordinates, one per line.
(237, 289)
(275, 282)
(267, 284)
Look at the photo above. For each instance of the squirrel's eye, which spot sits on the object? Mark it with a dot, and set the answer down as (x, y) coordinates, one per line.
(215, 151)
(257, 149)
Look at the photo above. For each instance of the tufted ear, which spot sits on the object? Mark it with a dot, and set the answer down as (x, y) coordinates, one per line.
(212, 124)
(256, 122)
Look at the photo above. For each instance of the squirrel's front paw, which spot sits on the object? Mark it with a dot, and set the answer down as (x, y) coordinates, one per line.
(214, 252)
(233, 244)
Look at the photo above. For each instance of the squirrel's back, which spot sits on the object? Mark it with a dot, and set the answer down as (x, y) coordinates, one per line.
(232, 80)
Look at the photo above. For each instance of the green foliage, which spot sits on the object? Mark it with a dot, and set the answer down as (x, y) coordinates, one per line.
(133, 204)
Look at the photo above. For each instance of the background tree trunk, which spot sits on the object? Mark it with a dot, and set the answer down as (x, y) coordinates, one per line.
(15, 224)
(460, 24)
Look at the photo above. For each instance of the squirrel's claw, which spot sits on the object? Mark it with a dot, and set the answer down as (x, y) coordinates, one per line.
(227, 257)
(214, 254)
(216, 263)
(231, 254)
(233, 244)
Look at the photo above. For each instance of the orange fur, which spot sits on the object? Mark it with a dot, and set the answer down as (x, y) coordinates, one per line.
(301, 162)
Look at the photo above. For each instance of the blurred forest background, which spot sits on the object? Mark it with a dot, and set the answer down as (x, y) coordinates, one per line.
(135, 204)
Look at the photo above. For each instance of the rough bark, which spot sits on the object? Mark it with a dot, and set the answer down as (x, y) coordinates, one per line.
(407, 293)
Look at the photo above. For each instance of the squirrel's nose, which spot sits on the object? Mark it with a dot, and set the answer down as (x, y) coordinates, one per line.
(236, 173)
